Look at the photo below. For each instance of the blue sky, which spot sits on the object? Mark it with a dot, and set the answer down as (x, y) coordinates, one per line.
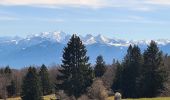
(127, 19)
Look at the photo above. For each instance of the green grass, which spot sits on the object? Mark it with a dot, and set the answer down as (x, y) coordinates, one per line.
(48, 97)
(161, 98)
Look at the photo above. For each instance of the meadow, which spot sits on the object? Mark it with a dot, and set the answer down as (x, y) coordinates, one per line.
(49, 97)
(159, 98)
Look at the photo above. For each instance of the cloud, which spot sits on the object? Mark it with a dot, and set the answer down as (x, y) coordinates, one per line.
(139, 5)
(8, 18)
(158, 2)
(55, 3)
(54, 20)
(129, 19)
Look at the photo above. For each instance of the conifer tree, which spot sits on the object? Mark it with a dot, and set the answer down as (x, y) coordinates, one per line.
(125, 72)
(44, 79)
(117, 83)
(127, 75)
(154, 74)
(31, 89)
(131, 72)
(6, 76)
(100, 67)
(75, 73)
(7, 71)
(120, 77)
(11, 89)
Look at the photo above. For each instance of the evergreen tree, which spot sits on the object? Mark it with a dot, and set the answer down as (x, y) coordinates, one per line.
(127, 75)
(121, 76)
(117, 83)
(154, 74)
(11, 89)
(6, 76)
(100, 67)
(31, 89)
(131, 72)
(76, 73)
(7, 72)
(45, 82)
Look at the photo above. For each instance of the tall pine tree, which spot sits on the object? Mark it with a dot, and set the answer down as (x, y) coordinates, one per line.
(125, 72)
(100, 67)
(154, 74)
(76, 73)
(6, 76)
(127, 75)
(8, 71)
(131, 73)
(31, 89)
(44, 79)
(117, 82)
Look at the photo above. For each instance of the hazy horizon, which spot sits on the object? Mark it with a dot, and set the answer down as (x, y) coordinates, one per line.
(125, 36)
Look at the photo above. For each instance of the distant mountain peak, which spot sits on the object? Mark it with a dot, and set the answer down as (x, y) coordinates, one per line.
(62, 37)
(89, 39)
(102, 39)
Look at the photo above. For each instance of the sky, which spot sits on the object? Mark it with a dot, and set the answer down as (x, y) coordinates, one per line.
(126, 19)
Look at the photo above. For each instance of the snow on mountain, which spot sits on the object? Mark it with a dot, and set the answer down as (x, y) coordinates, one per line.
(163, 41)
(59, 36)
(47, 48)
(10, 39)
(55, 36)
(102, 39)
(62, 37)
(147, 42)
(89, 39)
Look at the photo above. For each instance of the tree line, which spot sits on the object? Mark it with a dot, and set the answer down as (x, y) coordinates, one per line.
(138, 75)
(141, 75)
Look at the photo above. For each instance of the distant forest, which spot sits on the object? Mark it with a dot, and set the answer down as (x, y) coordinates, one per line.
(138, 75)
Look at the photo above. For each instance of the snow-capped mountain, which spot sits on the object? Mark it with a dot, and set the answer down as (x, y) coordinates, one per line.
(88, 39)
(47, 47)
(62, 37)
(52, 36)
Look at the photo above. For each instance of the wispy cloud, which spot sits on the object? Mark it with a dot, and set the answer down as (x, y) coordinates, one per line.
(55, 3)
(158, 2)
(141, 5)
(128, 19)
(53, 20)
(8, 18)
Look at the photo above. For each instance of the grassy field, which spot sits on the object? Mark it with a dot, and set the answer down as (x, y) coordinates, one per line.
(45, 98)
(163, 98)
(110, 98)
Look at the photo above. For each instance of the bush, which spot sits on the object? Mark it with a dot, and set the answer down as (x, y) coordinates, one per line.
(97, 90)
(83, 97)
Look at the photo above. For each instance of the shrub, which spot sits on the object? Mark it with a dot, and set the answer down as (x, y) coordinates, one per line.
(97, 90)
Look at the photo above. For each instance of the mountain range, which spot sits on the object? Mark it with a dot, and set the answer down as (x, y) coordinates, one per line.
(47, 48)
